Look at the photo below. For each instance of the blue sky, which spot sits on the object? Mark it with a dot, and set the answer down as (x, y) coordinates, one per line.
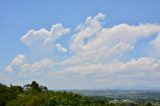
(137, 42)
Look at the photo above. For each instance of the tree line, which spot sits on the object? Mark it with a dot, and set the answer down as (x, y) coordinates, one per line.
(36, 95)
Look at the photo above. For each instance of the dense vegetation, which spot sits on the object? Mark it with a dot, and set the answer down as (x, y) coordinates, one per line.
(35, 95)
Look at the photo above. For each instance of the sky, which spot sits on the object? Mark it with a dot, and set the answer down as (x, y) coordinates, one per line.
(82, 44)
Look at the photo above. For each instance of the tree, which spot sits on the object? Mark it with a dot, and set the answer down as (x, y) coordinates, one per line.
(27, 87)
(44, 88)
(34, 86)
(148, 104)
(53, 101)
(34, 101)
(8, 93)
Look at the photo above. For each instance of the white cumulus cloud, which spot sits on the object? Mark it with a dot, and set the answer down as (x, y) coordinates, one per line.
(156, 42)
(18, 60)
(60, 48)
(96, 56)
(43, 40)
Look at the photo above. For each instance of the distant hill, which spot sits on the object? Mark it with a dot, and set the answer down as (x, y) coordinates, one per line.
(138, 95)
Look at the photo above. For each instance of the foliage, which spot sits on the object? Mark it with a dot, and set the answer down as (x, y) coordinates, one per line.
(9, 93)
(35, 95)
